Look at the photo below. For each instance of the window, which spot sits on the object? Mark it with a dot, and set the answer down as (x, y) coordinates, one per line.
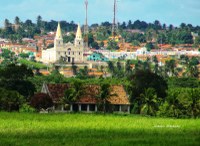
(79, 53)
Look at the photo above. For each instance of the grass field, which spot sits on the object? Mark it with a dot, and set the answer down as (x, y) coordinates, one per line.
(95, 130)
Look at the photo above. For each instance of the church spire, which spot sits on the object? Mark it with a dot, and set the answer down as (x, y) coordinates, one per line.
(79, 33)
(58, 32)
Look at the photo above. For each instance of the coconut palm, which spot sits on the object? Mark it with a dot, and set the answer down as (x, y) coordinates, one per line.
(195, 105)
(149, 102)
(172, 99)
(74, 92)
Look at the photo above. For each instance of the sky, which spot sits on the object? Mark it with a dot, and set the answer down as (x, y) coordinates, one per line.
(166, 11)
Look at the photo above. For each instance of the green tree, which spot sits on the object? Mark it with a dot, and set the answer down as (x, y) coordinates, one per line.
(112, 45)
(149, 102)
(105, 93)
(195, 104)
(144, 79)
(17, 20)
(74, 92)
(10, 100)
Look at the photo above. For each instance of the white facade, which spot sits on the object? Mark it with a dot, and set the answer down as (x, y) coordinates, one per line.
(70, 52)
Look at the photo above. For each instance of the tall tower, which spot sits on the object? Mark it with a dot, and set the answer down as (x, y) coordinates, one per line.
(58, 41)
(114, 25)
(86, 24)
(78, 40)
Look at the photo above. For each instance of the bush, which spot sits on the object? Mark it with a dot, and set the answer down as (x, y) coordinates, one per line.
(25, 108)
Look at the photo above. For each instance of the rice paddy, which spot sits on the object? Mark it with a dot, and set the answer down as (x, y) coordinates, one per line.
(95, 130)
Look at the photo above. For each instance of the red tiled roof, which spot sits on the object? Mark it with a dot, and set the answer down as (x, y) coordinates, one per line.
(57, 91)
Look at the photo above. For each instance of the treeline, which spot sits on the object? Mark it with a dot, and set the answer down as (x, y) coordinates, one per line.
(19, 29)
(144, 32)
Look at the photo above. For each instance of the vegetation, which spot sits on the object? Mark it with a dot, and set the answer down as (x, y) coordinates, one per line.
(41, 101)
(91, 129)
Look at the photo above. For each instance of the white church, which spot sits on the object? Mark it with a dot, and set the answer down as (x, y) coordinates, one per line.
(73, 53)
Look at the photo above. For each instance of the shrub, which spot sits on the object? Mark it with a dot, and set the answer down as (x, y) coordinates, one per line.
(25, 108)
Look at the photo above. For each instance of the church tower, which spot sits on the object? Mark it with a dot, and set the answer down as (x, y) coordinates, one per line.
(58, 41)
(78, 40)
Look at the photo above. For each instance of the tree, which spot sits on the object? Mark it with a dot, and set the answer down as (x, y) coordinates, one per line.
(197, 41)
(74, 69)
(95, 45)
(105, 93)
(6, 23)
(74, 92)
(128, 69)
(155, 60)
(170, 67)
(39, 21)
(17, 20)
(10, 100)
(14, 77)
(149, 46)
(111, 67)
(149, 102)
(144, 79)
(112, 45)
(195, 104)
(41, 101)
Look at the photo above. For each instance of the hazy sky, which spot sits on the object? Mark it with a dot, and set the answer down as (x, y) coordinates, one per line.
(166, 11)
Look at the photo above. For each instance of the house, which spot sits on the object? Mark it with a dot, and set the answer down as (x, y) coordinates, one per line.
(97, 57)
(88, 102)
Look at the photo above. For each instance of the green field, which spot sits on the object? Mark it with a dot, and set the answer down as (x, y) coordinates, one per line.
(95, 130)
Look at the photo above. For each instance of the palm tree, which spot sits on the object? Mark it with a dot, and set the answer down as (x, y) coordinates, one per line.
(128, 69)
(170, 67)
(173, 102)
(17, 20)
(155, 60)
(6, 23)
(149, 102)
(105, 93)
(195, 105)
(111, 67)
(74, 68)
(74, 92)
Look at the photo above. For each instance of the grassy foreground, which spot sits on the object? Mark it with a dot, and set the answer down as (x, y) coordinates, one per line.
(95, 130)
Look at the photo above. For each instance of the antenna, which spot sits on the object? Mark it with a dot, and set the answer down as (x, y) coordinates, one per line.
(86, 23)
(114, 26)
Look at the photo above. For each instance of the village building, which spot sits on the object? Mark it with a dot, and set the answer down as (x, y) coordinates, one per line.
(97, 57)
(88, 102)
(72, 53)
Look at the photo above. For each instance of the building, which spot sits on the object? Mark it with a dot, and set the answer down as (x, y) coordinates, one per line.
(97, 57)
(71, 53)
(88, 102)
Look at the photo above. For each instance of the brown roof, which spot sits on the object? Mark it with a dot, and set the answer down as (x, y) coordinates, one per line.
(57, 91)
(118, 95)
(90, 94)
